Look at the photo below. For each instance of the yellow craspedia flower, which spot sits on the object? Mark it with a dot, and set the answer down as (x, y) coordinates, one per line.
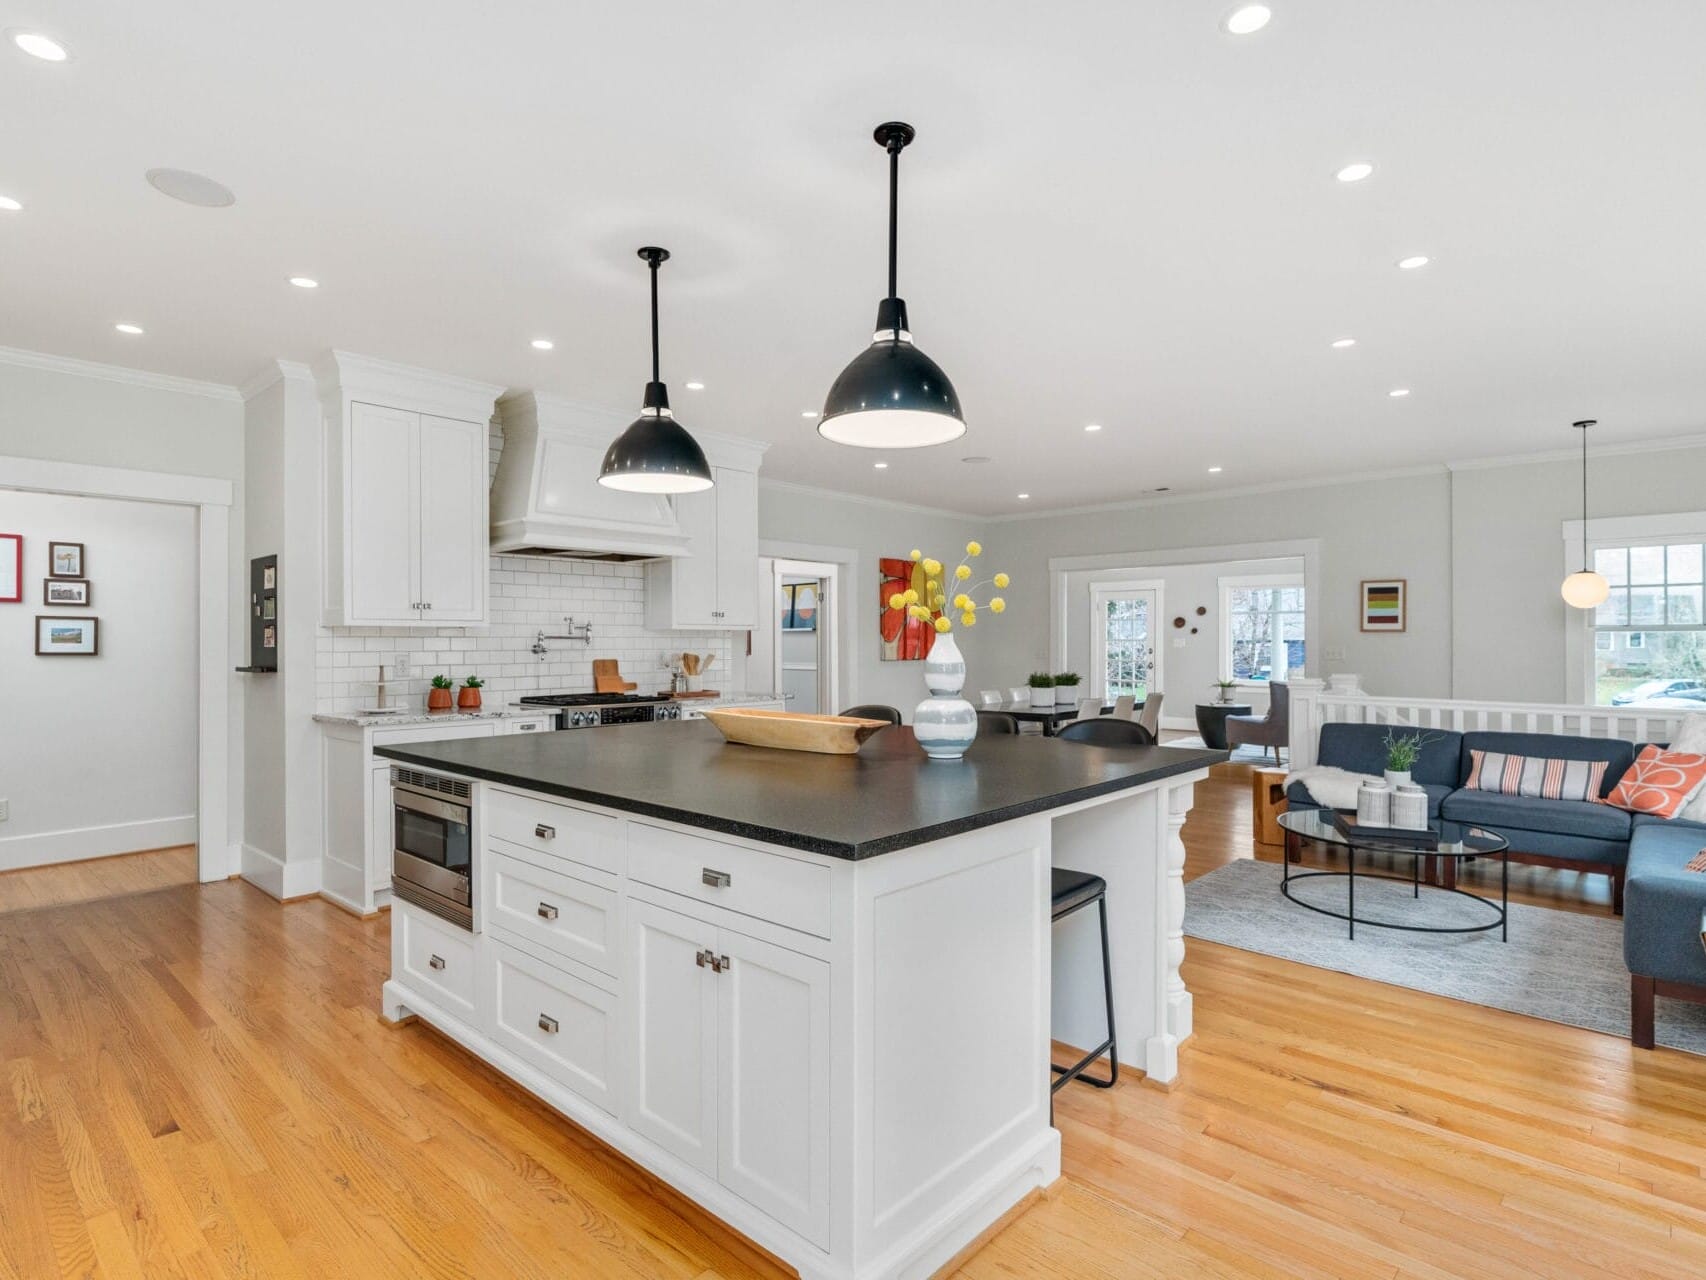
(932, 567)
(968, 619)
(917, 554)
(943, 625)
(897, 601)
(998, 605)
(961, 600)
(1003, 581)
(911, 596)
(974, 548)
(963, 572)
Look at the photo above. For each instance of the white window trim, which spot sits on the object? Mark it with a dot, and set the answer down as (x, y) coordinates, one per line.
(1609, 531)
(1230, 584)
(1099, 594)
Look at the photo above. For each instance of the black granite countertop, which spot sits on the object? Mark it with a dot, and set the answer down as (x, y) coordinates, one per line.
(887, 797)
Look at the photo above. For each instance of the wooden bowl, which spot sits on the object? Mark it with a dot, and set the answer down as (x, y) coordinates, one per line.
(792, 730)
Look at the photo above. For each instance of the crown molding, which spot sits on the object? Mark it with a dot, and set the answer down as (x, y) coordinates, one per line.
(74, 367)
(1662, 444)
(891, 504)
(275, 371)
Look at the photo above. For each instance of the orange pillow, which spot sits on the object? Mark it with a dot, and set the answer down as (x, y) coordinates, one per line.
(1660, 782)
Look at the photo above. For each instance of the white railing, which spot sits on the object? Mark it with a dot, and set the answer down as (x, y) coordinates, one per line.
(1312, 706)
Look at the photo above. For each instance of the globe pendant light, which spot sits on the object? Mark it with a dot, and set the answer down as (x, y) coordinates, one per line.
(1585, 589)
(655, 454)
(892, 396)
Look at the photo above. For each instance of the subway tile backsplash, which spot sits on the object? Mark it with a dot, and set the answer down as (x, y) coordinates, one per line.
(529, 594)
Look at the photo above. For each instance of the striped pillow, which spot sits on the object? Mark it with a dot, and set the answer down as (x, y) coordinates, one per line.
(1535, 776)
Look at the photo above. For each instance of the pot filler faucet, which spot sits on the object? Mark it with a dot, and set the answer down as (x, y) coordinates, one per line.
(583, 633)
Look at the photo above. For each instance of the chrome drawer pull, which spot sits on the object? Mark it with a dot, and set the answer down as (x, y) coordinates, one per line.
(525, 728)
(716, 879)
(544, 832)
(547, 911)
(547, 1024)
(704, 958)
(721, 964)
(437, 962)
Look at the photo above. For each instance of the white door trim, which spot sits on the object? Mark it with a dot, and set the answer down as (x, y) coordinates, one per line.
(845, 563)
(1099, 593)
(212, 500)
(828, 574)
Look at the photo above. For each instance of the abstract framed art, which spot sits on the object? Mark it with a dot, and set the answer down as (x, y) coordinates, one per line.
(11, 568)
(1385, 605)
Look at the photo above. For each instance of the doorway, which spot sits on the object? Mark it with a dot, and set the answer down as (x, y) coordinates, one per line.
(1124, 656)
(802, 634)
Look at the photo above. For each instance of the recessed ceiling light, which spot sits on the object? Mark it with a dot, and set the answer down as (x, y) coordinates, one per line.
(128, 328)
(1398, 393)
(1354, 172)
(39, 46)
(881, 466)
(1339, 344)
(695, 386)
(9, 205)
(1248, 18)
(191, 188)
(1411, 263)
(808, 413)
(1094, 426)
(543, 344)
(1024, 496)
(304, 282)
(1214, 471)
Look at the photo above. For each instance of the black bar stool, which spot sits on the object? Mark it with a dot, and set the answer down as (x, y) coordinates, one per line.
(1072, 891)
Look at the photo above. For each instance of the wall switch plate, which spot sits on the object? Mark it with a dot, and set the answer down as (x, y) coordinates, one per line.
(399, 666)
(1178, 642)
(5, 810)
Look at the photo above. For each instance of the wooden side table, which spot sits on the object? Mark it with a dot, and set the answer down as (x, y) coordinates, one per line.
(1267, 802)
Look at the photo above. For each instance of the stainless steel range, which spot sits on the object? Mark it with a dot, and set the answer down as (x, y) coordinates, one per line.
(590, 710)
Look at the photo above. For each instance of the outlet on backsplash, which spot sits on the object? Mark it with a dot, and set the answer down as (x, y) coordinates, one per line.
(400, 669)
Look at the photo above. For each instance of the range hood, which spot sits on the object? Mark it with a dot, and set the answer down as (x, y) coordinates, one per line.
(546, 499)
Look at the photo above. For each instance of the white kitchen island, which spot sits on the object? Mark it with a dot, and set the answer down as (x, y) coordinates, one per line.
(813, 993)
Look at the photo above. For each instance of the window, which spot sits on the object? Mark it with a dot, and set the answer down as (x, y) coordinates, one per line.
(1122, 638)
(1262, 621)
(1657, 588)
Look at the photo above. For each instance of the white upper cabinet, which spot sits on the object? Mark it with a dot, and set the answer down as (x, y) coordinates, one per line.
(715, 585)
(407, 542)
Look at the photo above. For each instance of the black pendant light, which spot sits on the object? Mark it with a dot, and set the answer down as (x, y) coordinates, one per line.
(892, 396)
(1586, 588)
(655, 454)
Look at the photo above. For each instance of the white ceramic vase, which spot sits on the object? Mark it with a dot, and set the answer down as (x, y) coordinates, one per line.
(1396, 778)
(944, 723)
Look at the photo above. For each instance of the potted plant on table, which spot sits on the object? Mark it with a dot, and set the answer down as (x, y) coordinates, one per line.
(1066, 688)
(1042, 691)
(1224, 697)
(438, 698)
(468, 696)
(1402, 752)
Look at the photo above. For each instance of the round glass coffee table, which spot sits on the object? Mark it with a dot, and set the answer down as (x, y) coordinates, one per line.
(1446, 844)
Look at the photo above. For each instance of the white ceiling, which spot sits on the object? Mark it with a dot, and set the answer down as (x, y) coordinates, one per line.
(1114, 212)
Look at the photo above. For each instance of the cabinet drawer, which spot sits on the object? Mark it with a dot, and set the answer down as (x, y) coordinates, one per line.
(558, 829)
(558, 912)
(437, 958)
(781, 890)
(562, 1024)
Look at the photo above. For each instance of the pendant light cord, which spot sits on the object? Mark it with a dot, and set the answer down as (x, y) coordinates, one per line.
(654, 265)
(894, 146)
(1584, 497)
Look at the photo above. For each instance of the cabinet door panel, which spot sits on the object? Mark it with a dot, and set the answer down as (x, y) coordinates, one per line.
(560, 1023)
(773, 1082)
(737, 548)
(672, 1034)
(381, 560)
(694, 578)
(454, 537)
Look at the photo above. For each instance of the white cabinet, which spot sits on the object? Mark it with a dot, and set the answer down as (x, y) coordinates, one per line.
(407, 539)
(715, 587)
(729, 1060)
(562, 1023)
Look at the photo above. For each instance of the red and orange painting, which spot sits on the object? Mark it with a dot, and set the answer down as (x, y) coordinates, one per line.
(904, 639)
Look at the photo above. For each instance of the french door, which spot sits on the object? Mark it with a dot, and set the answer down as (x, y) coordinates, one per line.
(1125, 655)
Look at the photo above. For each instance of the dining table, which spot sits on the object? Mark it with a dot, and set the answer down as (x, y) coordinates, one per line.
(1051, 718)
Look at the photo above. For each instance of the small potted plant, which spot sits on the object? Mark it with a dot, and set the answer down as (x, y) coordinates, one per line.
(438, 698)
(468, 696)
(1225, 696)
(1066, 688)
(1402, 752)
(1042, 691)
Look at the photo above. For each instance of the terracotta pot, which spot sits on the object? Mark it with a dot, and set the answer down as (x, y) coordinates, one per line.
(468, 699)
(438, 700)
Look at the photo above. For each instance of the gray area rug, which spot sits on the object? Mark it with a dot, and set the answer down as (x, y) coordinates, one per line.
(1558, 965)
(1240, 755)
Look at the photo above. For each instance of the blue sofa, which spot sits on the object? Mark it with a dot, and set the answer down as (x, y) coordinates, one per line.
(1662, 902)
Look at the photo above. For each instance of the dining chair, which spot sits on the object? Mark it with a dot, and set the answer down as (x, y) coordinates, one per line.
(1123, 706)
(1150, 717)
(1089, 708)
(873, 711)
(1105, 731)
(996, 722)
(989, 697)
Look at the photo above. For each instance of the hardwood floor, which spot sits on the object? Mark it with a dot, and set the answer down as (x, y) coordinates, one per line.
(97, 878)
(196, 1083)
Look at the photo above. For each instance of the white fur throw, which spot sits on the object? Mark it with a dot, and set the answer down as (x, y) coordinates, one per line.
(1691, 736)
(1332, 787)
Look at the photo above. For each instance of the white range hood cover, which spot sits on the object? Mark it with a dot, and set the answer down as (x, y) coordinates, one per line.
(546, 499)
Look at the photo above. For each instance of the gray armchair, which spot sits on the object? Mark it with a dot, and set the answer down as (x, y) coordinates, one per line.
(1272, 730)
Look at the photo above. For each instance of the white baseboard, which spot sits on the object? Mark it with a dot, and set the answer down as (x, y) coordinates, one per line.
(77, 844)
(1186, 723)
(277, 878)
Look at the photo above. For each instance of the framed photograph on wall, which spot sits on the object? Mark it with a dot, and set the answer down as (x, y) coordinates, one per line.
(1384, 604)
(11, 568)
(65, 559)
(65, 593)
(67, 637)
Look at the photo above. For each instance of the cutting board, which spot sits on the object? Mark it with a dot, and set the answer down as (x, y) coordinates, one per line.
(697, 693)
(607, 677)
